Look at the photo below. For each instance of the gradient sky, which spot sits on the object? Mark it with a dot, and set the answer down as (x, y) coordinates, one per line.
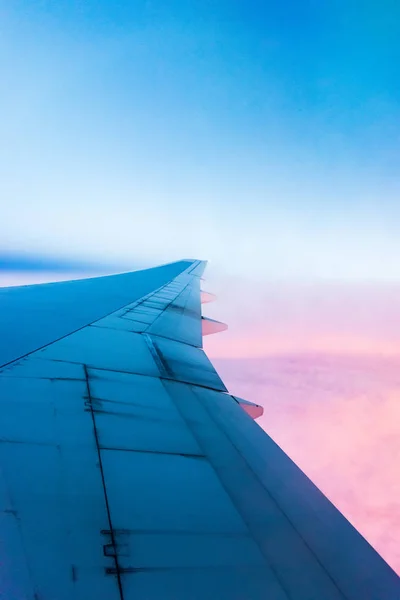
(260, 133)
(264, 136)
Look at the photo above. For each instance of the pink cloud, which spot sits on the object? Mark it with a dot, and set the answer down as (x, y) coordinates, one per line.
(324, 361)
(338, 419)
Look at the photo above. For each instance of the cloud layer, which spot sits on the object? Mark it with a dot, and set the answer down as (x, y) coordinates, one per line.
(338, 418)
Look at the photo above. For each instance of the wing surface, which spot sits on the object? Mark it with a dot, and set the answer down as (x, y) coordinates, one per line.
(128, 472)
(32, 316)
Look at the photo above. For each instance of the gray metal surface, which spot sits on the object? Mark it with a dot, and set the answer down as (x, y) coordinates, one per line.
(127, 472)
(35, 315)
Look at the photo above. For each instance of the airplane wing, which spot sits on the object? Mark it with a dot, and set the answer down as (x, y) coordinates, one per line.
(128, 472)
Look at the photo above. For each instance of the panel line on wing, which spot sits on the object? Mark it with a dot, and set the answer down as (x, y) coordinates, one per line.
(113, 540)
(162, 364)
(200, 442)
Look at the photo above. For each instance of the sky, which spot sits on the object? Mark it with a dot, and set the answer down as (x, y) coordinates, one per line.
(144, 130)
(262, 136)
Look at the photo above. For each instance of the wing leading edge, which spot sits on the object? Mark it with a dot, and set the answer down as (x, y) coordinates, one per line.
(129, 472)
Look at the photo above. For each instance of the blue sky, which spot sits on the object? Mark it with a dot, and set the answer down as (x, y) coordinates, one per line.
(261, 135)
